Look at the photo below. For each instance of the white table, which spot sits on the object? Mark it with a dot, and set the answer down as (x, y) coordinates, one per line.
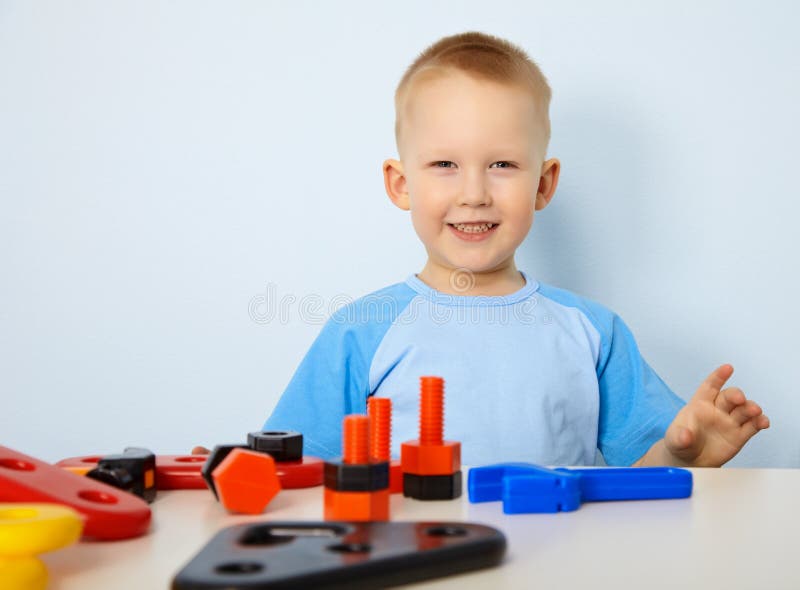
(739, 530)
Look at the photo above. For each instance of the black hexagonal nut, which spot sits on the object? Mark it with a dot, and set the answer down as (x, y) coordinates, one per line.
(216, 457)
(349, 477)
(117, 477)
(133, 471)
(432, 487)
(282, 445)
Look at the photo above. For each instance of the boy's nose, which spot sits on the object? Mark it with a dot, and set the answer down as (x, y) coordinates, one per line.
(474, 191)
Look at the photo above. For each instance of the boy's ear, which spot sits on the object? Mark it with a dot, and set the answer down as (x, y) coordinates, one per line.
(394, 180)
(547, 183)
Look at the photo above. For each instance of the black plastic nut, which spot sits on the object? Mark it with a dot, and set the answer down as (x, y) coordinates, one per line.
(284, 445)
(216, 457)
(432, 487)
(133, 471)
(349, 477)
(118, 478)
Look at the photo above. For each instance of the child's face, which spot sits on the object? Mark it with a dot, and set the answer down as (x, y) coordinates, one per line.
(471, 153)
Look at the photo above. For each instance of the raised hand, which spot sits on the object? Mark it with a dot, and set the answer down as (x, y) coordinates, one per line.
(714, 425)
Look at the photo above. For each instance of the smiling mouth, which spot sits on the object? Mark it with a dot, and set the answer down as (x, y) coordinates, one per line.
(473, 228)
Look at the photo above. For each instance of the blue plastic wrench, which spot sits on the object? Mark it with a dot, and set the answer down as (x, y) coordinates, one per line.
(528, 488)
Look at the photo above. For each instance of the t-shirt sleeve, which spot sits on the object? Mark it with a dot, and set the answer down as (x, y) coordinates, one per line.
(636, 406)
(330, 382)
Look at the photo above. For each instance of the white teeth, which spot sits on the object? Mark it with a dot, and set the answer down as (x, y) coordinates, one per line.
(474, 228)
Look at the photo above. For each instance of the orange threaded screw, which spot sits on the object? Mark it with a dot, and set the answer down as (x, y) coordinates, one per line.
(356, 439)
(431, 411)
(379, 410)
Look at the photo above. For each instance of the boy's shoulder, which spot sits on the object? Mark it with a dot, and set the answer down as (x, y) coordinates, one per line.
(378, 307)
(601, 316)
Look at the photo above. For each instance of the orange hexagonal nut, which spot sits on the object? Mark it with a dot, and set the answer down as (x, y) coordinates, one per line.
(356, 505)
(418, 459)
(246, 481)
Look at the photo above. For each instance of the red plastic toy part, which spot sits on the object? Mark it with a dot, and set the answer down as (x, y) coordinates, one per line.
(180, 472)
(431, 465)
(379, 410)
(356, 488)
(173, 472)
(306, 473)
(110, 514)
(183, 472)
(246, 481)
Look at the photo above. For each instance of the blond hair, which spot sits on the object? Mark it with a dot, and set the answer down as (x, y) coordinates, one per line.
(483, 56)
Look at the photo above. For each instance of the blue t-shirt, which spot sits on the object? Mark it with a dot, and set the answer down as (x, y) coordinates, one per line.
(540, 375)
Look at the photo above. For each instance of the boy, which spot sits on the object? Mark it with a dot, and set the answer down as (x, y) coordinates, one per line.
(532, 372)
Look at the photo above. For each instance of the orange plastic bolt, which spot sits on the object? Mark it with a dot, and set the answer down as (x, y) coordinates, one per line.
(431, 410)
(359, 506)
(343, 504)
(379, 410)
(430, 454)
(356, 439)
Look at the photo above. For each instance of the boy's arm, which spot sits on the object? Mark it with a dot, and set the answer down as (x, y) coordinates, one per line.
(333, 379)
(711, 428)
(329, 383)
(636, 406)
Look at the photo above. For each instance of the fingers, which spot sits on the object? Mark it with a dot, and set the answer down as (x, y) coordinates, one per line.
(746, 411)
(710, 388)
(752, 426)
(682, 443)
(729, 399)
(682, 438)
(200, 451)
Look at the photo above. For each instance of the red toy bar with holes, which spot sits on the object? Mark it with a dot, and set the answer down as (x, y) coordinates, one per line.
(286, 447)
(110, 514)
(173, 472)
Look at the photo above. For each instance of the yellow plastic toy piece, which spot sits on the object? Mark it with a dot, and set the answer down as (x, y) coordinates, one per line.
(27, 530)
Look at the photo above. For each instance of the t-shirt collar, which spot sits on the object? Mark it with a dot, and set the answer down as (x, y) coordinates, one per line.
(438, 297)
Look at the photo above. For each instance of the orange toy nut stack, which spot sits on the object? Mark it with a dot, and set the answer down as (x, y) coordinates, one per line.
(246, 481)
(356, 488)
(379, 410)
(431, 465)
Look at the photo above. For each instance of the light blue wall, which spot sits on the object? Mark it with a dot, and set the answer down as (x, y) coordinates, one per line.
(163, 163)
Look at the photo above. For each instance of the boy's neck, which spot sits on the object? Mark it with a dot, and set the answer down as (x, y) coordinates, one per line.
(501, 281)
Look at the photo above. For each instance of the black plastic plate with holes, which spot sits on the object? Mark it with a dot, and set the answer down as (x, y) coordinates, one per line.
(339, 555)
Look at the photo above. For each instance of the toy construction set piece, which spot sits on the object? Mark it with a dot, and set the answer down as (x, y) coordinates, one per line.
(286, 447)
(173, 472)
(356, 487)
(526, 488)
(294, 469)
(379, 410)
(217, 456)
(431, 465)
(325, 555)
(180, 472)
(26, 530)
(246, 481)
(133, 471)
(109, 513)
